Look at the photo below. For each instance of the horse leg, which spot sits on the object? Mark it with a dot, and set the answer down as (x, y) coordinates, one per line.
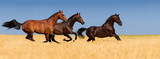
(89, 40)
(68, 37)
(47, 38)
(50, 38)
(91, 37)
(117, 37)
(75, 35)
(54, 39)
(30, 36)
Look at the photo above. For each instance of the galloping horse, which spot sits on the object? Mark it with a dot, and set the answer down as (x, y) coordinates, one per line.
(45, 26)
(107, 29)
(66, 28)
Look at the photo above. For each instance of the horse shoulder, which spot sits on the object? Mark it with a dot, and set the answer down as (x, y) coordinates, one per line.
(110, 29)
(58, 29)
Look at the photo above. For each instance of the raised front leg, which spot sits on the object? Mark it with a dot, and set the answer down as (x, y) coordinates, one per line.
(75, 35)
(67, 35)
(117, 37)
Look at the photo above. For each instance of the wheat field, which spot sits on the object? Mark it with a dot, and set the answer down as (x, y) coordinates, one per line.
(131, 47)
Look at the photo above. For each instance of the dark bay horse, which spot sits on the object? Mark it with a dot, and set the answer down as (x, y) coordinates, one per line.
(65, 28)
(106, 30)
(45, 26)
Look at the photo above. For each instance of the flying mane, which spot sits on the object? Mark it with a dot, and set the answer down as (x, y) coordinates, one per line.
(72, 16)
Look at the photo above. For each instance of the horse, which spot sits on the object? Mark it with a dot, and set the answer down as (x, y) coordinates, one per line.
(45, 26)
(106, 30)
(65, 28)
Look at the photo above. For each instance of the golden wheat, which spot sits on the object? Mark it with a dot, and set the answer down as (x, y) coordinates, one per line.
(131, 47)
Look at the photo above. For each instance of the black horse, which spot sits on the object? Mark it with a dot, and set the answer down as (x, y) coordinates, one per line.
(106, 30)
(65, 28)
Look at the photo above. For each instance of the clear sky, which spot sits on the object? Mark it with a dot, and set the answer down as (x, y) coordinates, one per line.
(139, 17)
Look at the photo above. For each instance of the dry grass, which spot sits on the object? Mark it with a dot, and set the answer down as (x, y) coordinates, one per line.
(131, 47)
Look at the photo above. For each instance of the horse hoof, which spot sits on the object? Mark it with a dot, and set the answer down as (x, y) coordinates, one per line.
(73, 40)
(66, 40)
(33, 40)
(50, 41)
(93, 40)
(88, 40)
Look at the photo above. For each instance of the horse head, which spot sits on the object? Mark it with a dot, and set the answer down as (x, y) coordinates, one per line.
(62, 16)
(117, 19)
(79, 18)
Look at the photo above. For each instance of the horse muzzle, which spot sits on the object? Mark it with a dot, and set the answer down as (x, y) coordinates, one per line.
(82, 23)
(120, 24)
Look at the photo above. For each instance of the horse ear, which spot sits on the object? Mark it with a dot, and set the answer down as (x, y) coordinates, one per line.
(78, 13)
(62, 11)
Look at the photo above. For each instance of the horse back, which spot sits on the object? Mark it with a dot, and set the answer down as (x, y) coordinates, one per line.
(99, 31)
(38, 26)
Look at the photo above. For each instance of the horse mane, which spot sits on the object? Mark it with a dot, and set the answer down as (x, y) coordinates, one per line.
(53, 15)
(72, 16)
(109, 19)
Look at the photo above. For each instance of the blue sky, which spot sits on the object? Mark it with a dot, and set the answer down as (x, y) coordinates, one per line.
(139, 17)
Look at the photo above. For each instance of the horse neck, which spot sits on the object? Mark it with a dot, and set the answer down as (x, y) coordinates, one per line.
(52, 20)
(109, 23)
(71, 22)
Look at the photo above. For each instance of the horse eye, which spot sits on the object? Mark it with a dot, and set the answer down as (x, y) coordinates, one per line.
(62, 15)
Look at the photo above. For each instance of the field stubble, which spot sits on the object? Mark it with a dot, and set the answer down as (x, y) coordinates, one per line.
(131, 47)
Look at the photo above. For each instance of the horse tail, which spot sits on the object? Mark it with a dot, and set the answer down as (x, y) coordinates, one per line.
(12, 24)
(79, 32)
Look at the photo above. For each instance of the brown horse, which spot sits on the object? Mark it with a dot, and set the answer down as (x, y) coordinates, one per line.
(45, 26)
(107, 29)
(65, 28)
